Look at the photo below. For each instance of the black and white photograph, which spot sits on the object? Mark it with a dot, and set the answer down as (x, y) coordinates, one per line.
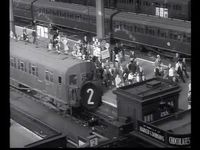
(100, 73)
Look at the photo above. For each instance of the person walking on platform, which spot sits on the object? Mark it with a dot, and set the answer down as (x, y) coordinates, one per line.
(157, 66)
(179, 70)
(55, 38)
(125, 74)
(34, 35)
(176, 58)
(185, 68)
(132, 55)
(132, 66)
(106, 76)
(118, 81)
(65, 45)
(141, 74)
(50, 45)
(25, 36)
(171, 75)
(166, 72)
(116, 49)
(131, 78)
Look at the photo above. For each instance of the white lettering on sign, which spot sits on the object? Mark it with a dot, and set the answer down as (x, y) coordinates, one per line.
(151, 133)
(179, 141)
(144, 130)
(90, 97)
(164, 113)
(157, 136)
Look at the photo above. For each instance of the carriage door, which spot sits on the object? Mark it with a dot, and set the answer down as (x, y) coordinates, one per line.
(59, 87)
(73, 89)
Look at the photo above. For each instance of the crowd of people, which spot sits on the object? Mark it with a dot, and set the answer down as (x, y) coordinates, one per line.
(112, 71)
(25, 36)
(174, 72)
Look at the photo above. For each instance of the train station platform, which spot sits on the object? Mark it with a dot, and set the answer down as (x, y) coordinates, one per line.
(21, 136)
(108, 97)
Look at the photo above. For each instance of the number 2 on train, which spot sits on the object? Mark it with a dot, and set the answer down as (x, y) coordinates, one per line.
(90, 97)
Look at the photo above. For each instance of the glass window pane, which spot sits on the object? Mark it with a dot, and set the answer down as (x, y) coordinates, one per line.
(73, 79)
(36, 71)
(51, 76)
(59, 80)
(12, 62)
(29, 68)
(22, 66)
(47, 75)
(18, 64)
(33, 70)
(15, 65)
(25, 67)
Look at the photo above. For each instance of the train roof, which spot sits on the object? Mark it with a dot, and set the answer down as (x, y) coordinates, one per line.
(51, 59)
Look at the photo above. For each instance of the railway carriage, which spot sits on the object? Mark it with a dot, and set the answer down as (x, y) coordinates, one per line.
(60, 79)
(179, 9)
(165, 34)
(133, 29)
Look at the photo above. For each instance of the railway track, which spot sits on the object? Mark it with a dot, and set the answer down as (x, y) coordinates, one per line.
(80, 116)
(31, 123)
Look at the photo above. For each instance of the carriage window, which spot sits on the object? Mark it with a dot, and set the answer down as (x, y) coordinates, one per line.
(29, 68)
(83, 76)
(22, 66)
(73, 79)
(36, 71)
(15, 65)
(25, 67)
(59, 80)
(51, 76)
(188, 39)
(12, 62)
(18, 64)
(47, 75)
(33, 70)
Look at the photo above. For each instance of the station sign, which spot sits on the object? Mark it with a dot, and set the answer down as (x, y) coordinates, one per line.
(162, 12)
(178, 140)
(151, 131)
